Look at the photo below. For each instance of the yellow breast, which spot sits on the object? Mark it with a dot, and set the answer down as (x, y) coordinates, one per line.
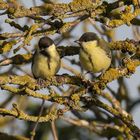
(42, 67)
(94, 58)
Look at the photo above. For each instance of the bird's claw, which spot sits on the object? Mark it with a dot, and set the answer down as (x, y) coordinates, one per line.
(41, 82)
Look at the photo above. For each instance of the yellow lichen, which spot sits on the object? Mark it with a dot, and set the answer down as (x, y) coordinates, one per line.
(75, 97)
(6, 46)
(20, 59)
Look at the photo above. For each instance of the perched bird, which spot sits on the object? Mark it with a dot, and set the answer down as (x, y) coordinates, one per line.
(95, 55)
(46, 60)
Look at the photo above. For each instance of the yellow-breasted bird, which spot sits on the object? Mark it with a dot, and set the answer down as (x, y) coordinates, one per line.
(95, 55)
(46, 60)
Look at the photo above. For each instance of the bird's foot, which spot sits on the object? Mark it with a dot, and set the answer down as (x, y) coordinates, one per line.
(85, 73)
(41, 82)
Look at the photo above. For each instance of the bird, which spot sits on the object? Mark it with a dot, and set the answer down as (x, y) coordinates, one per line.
(94, 55)
(46, 59)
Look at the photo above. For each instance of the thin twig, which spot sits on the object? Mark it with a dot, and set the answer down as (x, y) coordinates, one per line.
(54, 131)
(36, 124)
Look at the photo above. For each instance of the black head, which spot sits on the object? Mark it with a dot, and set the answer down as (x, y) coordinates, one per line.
(88, 36)
(45, 42)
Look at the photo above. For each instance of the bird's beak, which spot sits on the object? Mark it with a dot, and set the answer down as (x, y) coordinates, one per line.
(41, 49)
(77, 41)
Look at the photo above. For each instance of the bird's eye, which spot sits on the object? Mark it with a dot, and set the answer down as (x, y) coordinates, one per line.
(85, 40)
(43, 46)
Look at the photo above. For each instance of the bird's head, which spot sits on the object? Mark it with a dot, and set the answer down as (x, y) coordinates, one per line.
(45, 43)
(88, 38)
